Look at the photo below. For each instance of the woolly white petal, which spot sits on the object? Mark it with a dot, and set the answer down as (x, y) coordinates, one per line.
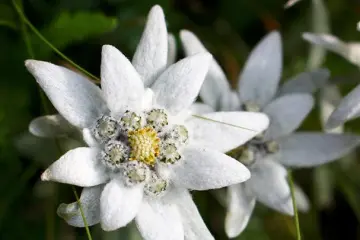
(90, 203)
(76, 98)
(226, 130)
(50, 126)
(121, 84)
(204, 169)
(307, 149)
(286, 113)
(306, 82)
(269, 185)
(151, 54)
(302, 201)
(119, 204)
(79, 167)
(261, 75)
(194, 226)
(348, 108)
(172, 50)
(177, 88)
(157, 220)
(215, 85)
(240, 207)
(200, 108)
(230, 101)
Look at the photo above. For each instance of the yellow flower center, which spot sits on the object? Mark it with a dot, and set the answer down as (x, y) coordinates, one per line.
(145, 145)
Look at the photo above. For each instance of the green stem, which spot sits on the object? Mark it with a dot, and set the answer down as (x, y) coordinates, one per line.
(216, 121)
(296, 215)
(33, 28)
(42, 95)
(82, 214)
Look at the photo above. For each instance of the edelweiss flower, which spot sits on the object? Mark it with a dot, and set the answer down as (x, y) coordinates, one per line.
(286, 107)
(145, 148)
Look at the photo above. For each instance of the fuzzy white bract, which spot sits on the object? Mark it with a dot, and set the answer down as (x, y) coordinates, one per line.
(145, 147)
(266, 154)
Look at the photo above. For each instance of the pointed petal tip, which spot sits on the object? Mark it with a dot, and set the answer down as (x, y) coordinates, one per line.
(45, 176)
(156, 10)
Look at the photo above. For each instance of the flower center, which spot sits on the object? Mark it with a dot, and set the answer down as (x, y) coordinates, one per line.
(144, 144)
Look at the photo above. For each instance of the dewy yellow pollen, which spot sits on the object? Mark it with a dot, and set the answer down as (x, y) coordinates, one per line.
(145, 145)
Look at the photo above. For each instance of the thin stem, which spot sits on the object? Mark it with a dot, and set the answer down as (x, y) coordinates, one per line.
(43, 98)
(33, 28)
(82, 214)
(296, 215)
(229, 124)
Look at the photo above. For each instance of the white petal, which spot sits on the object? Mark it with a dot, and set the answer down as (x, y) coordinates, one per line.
(151, 54)
(194, 226)
(240, 207)
(76, 98)
(215, 85)
(119, 204)
(79, 167)
(50, 126)
(269, 185)
(90, 204)
(308, 149)
(172, 50)
(177, 88)
(261, 75)
(200, 108)
(230, 101)
(330, 97)
(204, 169)
(286, 113)
(226, 130)
(348, 108)
(159, 221)
(306, 82)
(302, 201)
(121, 84)
(329, 42)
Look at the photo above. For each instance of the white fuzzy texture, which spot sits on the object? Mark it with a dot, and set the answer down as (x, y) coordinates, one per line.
(177, 88)
(224, 131)
(76, 98)
(78, 167)
(260, 77)
(90, 203)
(286, 113)
(122, 86)
(159, 220)
(150, 57)
(119, 204)
(204, 169)
(216, 84)
(240, 206)
(50, 126)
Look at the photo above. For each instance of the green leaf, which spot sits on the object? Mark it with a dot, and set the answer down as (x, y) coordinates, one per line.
(69, 28)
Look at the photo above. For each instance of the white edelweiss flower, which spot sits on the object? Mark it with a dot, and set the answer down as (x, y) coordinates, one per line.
(145, 149)
(266, 154)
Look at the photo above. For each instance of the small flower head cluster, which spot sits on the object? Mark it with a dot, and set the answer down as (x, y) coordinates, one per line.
(134, 144)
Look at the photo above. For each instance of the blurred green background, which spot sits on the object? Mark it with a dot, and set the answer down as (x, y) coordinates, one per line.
(229, 29)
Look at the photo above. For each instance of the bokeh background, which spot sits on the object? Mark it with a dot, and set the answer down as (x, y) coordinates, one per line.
(229, 29)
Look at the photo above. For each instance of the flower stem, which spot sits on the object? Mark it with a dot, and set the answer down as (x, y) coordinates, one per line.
(33, 28)
(82, 214)
(296, 215)
(31, 53)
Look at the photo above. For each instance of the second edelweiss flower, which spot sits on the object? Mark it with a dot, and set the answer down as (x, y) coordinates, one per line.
(145, 147)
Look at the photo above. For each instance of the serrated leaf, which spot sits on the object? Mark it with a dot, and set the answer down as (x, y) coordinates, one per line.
(69, 28)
